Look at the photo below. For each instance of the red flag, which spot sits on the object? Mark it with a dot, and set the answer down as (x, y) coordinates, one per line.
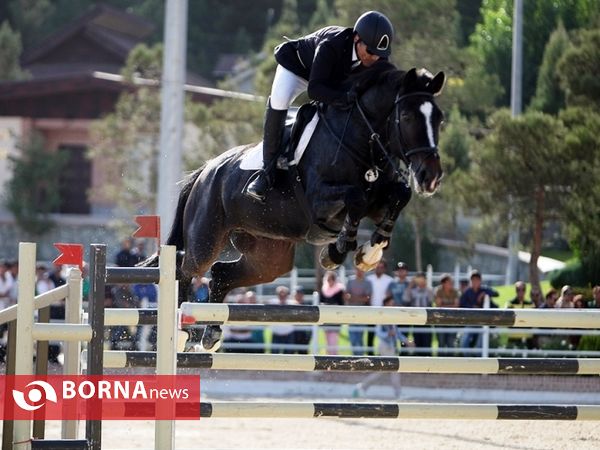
(149, 227)
(69, 254)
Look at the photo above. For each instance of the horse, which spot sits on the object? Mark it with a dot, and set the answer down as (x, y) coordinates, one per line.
(360, 162)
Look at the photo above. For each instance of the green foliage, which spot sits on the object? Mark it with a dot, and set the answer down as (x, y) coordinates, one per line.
(33, 191)
(145, 62)
(10, 43)
(549, 97)
(223, 125)
(126, 142)
(520, 156)
(579, 68)
(573, 274)
(479, 91)
(491, 42)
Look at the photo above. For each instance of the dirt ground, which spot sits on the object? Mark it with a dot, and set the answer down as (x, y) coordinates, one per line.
(356, 434)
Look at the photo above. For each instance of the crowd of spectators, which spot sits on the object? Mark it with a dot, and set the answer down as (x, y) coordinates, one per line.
(376, 289)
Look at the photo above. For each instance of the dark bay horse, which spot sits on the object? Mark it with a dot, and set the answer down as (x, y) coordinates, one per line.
(359, 163)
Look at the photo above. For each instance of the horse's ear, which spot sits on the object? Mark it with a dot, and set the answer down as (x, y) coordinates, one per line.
(436, 85)
(410, 78)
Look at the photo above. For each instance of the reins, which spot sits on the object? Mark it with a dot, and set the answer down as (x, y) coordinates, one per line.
(375, 138)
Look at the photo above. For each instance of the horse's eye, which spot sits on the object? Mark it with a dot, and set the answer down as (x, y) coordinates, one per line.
(405, 116)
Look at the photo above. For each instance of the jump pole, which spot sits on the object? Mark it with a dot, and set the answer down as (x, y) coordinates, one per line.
(207, 313)
(166, 361)
(25, 325)
(329, 363)
(307, 410)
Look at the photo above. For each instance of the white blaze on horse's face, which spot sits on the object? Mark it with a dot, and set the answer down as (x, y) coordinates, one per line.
(427, 108)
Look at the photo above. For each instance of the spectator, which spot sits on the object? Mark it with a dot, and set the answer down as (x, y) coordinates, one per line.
(463, 285)
(418, 295)
(579, 302)
(536, 297)
(138, 252)
(6, 284)
(473, 298)
(258, 333)
(550, 299)
(446, 297)
(596, 295)
(282, 334)
(123, 337)
(358, 293)
(301, 337)
(42, 280)
(380, 282)
(332, 293)
(388, 336)
(125, 257)
(566, 297)
(520, 340)
(238, 334)
(398, 286)
(146, 296)
(14, 290)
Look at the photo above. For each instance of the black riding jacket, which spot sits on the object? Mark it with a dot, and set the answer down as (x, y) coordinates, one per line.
(323, 58)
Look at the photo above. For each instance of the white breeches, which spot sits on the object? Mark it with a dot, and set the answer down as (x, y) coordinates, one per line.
(286, 87)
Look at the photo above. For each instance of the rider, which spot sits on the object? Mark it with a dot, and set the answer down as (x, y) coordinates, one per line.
(317, 63)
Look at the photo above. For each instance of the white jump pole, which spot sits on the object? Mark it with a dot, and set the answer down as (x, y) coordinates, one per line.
(25, 320)
(73, 314)
(166, 352)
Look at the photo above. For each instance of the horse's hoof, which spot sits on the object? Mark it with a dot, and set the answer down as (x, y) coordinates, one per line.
(325, 260)
(211, 339)
(367, 257)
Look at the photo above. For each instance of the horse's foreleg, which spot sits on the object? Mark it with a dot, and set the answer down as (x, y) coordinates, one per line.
(335, 253)
(370, 253)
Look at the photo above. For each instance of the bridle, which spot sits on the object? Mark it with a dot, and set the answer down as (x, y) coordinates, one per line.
(406, 153)
(375, 139)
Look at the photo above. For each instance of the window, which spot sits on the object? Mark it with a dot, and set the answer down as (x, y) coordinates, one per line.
(75, 181)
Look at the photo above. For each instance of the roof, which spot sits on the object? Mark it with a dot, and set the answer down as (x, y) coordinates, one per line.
(115, 30)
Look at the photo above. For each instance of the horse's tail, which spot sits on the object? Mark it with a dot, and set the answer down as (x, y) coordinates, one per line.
(176, 234)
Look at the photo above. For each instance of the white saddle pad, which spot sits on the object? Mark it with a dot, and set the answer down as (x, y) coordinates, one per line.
(253, 158)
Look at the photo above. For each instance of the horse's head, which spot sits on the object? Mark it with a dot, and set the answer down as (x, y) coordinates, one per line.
(406, 101)
(417, 121)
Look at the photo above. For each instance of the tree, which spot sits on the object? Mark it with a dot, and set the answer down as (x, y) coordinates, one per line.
(521, 167)
(579, 67)
(491, 43)
(10, 43)
(582, 211)
(549, 96)
(33, 191)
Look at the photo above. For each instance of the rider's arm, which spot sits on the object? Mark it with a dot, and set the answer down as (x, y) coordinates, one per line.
(319, 87)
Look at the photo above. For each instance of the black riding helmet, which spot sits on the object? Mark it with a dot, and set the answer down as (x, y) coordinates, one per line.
(376, 31)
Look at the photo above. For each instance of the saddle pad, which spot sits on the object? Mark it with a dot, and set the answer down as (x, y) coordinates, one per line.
(253, 158)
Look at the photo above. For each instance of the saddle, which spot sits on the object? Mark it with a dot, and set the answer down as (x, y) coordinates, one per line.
(295, 124)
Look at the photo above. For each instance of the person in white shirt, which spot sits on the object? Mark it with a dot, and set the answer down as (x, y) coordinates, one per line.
(380, 282)
(282, 333)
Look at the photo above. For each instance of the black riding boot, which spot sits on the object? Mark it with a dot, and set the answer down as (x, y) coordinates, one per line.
(273, 133)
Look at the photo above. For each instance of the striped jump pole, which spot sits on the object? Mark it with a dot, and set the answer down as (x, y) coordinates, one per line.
(305, 410)
(206, 313)
(401, 364)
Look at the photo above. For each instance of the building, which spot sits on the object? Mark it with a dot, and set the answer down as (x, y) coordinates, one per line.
(75, 80)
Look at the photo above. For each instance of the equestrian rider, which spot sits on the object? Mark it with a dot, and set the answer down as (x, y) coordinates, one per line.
(318, 63)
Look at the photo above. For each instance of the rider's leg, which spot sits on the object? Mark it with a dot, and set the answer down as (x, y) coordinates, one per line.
(286, 87)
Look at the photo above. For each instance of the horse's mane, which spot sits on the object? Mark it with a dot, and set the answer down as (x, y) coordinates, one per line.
(384, 72)
(381, 72)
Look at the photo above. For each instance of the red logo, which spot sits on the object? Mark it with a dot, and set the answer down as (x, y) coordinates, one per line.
(97, 397)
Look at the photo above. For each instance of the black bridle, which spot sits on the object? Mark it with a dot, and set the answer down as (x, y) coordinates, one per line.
(375, 138)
